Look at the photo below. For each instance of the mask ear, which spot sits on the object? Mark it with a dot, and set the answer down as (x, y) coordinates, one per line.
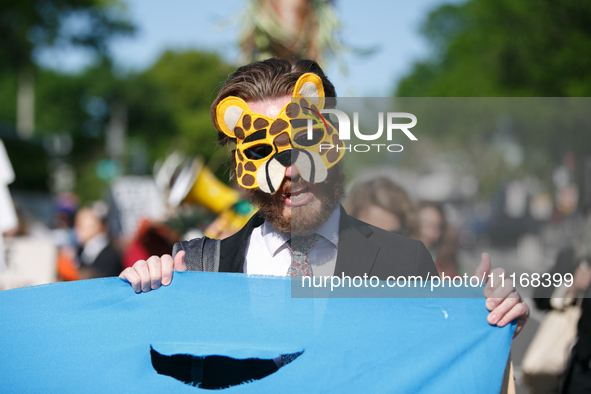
(228, 113)
(310, 86)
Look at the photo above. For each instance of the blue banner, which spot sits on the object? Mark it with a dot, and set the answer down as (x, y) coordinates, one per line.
(95, 336)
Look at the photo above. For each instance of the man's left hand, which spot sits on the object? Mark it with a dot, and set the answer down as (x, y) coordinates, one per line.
(502, 300)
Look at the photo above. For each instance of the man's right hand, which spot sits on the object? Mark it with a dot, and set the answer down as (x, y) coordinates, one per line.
(146, 275)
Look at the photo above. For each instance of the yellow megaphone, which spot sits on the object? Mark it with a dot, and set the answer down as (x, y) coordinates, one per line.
(196, 184)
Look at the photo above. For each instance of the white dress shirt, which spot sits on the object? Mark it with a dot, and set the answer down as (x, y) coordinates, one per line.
(267, 252)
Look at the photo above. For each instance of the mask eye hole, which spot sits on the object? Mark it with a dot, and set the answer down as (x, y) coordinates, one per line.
(258, 152)
(302, 138)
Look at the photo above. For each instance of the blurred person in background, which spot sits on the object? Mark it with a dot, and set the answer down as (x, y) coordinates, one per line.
(152, 239)
(574, 259)
(438, 238)
(98, 258)
(65, 206)
(382, 203)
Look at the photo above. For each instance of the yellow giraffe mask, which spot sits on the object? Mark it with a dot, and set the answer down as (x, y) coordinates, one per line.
(265, 147)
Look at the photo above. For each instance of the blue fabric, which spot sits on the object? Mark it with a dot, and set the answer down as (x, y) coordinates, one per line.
(95, 336)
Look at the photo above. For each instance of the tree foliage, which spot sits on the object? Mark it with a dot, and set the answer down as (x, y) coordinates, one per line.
(170, 101)
(167, 105)
(28, 26)
(168, 108)
(505, 48)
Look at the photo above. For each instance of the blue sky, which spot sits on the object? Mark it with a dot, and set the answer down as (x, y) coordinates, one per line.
(392, 26)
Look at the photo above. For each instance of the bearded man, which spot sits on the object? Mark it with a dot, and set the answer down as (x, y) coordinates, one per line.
(295, 178)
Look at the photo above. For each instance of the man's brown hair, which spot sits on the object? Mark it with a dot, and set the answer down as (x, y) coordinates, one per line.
(264, 80)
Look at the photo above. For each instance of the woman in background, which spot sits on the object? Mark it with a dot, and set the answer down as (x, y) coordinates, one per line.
(438, 238)
(98, 257)
(382, 203)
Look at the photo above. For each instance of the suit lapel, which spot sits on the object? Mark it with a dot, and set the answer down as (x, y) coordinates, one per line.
(232, 249)
(357, 252)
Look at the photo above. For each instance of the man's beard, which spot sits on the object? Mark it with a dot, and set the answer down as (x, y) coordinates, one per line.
(307, 218)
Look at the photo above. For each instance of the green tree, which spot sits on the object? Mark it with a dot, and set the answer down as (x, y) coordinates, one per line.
(169, 103)
(485, 48)
(28, 26)
(168, 108)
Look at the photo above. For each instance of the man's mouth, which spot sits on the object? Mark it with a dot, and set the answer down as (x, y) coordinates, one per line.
(298, 196)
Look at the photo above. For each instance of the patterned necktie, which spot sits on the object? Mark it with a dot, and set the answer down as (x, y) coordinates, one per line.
(300, 266)
(300, 247)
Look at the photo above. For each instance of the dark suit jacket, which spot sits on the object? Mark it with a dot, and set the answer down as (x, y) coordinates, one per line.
(363, 249)
(107, 263)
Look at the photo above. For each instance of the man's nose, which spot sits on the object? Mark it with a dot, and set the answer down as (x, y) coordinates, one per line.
(292, 172)
(286, 159)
